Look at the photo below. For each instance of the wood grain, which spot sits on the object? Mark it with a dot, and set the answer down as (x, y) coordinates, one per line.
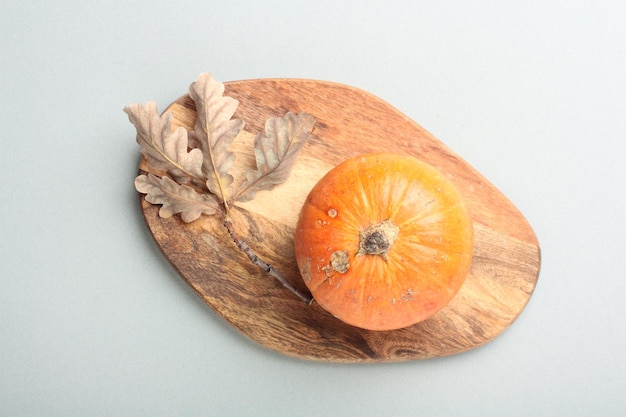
(349, 122)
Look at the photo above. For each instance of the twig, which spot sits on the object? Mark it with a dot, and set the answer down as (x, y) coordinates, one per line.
(243, 246)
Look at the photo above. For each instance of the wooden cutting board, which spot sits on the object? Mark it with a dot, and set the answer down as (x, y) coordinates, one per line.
(349, 122)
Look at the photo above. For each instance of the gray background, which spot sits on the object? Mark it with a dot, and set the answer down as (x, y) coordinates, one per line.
(94, 321)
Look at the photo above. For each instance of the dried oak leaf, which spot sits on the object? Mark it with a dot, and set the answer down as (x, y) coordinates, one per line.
(214, 132)
(275, 152)
(175, 198)
(164, 150)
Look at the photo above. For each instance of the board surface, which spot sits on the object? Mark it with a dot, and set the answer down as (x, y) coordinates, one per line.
(349, 121)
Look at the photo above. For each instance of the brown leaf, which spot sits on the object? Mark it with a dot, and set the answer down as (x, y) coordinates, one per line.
(164, 150)
(176, 198)
(275, 152)
(214, 132)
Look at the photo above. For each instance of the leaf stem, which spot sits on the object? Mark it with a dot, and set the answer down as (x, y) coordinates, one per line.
(207, 128)
(243, 246)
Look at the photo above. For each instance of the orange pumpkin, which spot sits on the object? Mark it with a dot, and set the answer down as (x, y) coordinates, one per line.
(384, 241)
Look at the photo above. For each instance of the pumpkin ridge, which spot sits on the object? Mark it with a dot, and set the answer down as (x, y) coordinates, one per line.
(360, 191)
(394, 198)
(425, 217)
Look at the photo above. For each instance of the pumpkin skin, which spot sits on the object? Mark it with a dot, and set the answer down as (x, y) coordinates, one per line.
(384, 241)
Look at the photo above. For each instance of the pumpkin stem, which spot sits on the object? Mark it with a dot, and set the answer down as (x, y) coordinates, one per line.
(377, 239)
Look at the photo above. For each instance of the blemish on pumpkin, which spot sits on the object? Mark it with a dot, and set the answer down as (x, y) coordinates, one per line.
(339, 261)
(326, 270)
(407, 295)
(332, 213)
(306, 270)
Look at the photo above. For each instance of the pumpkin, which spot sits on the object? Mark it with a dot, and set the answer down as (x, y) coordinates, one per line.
(384, 241)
